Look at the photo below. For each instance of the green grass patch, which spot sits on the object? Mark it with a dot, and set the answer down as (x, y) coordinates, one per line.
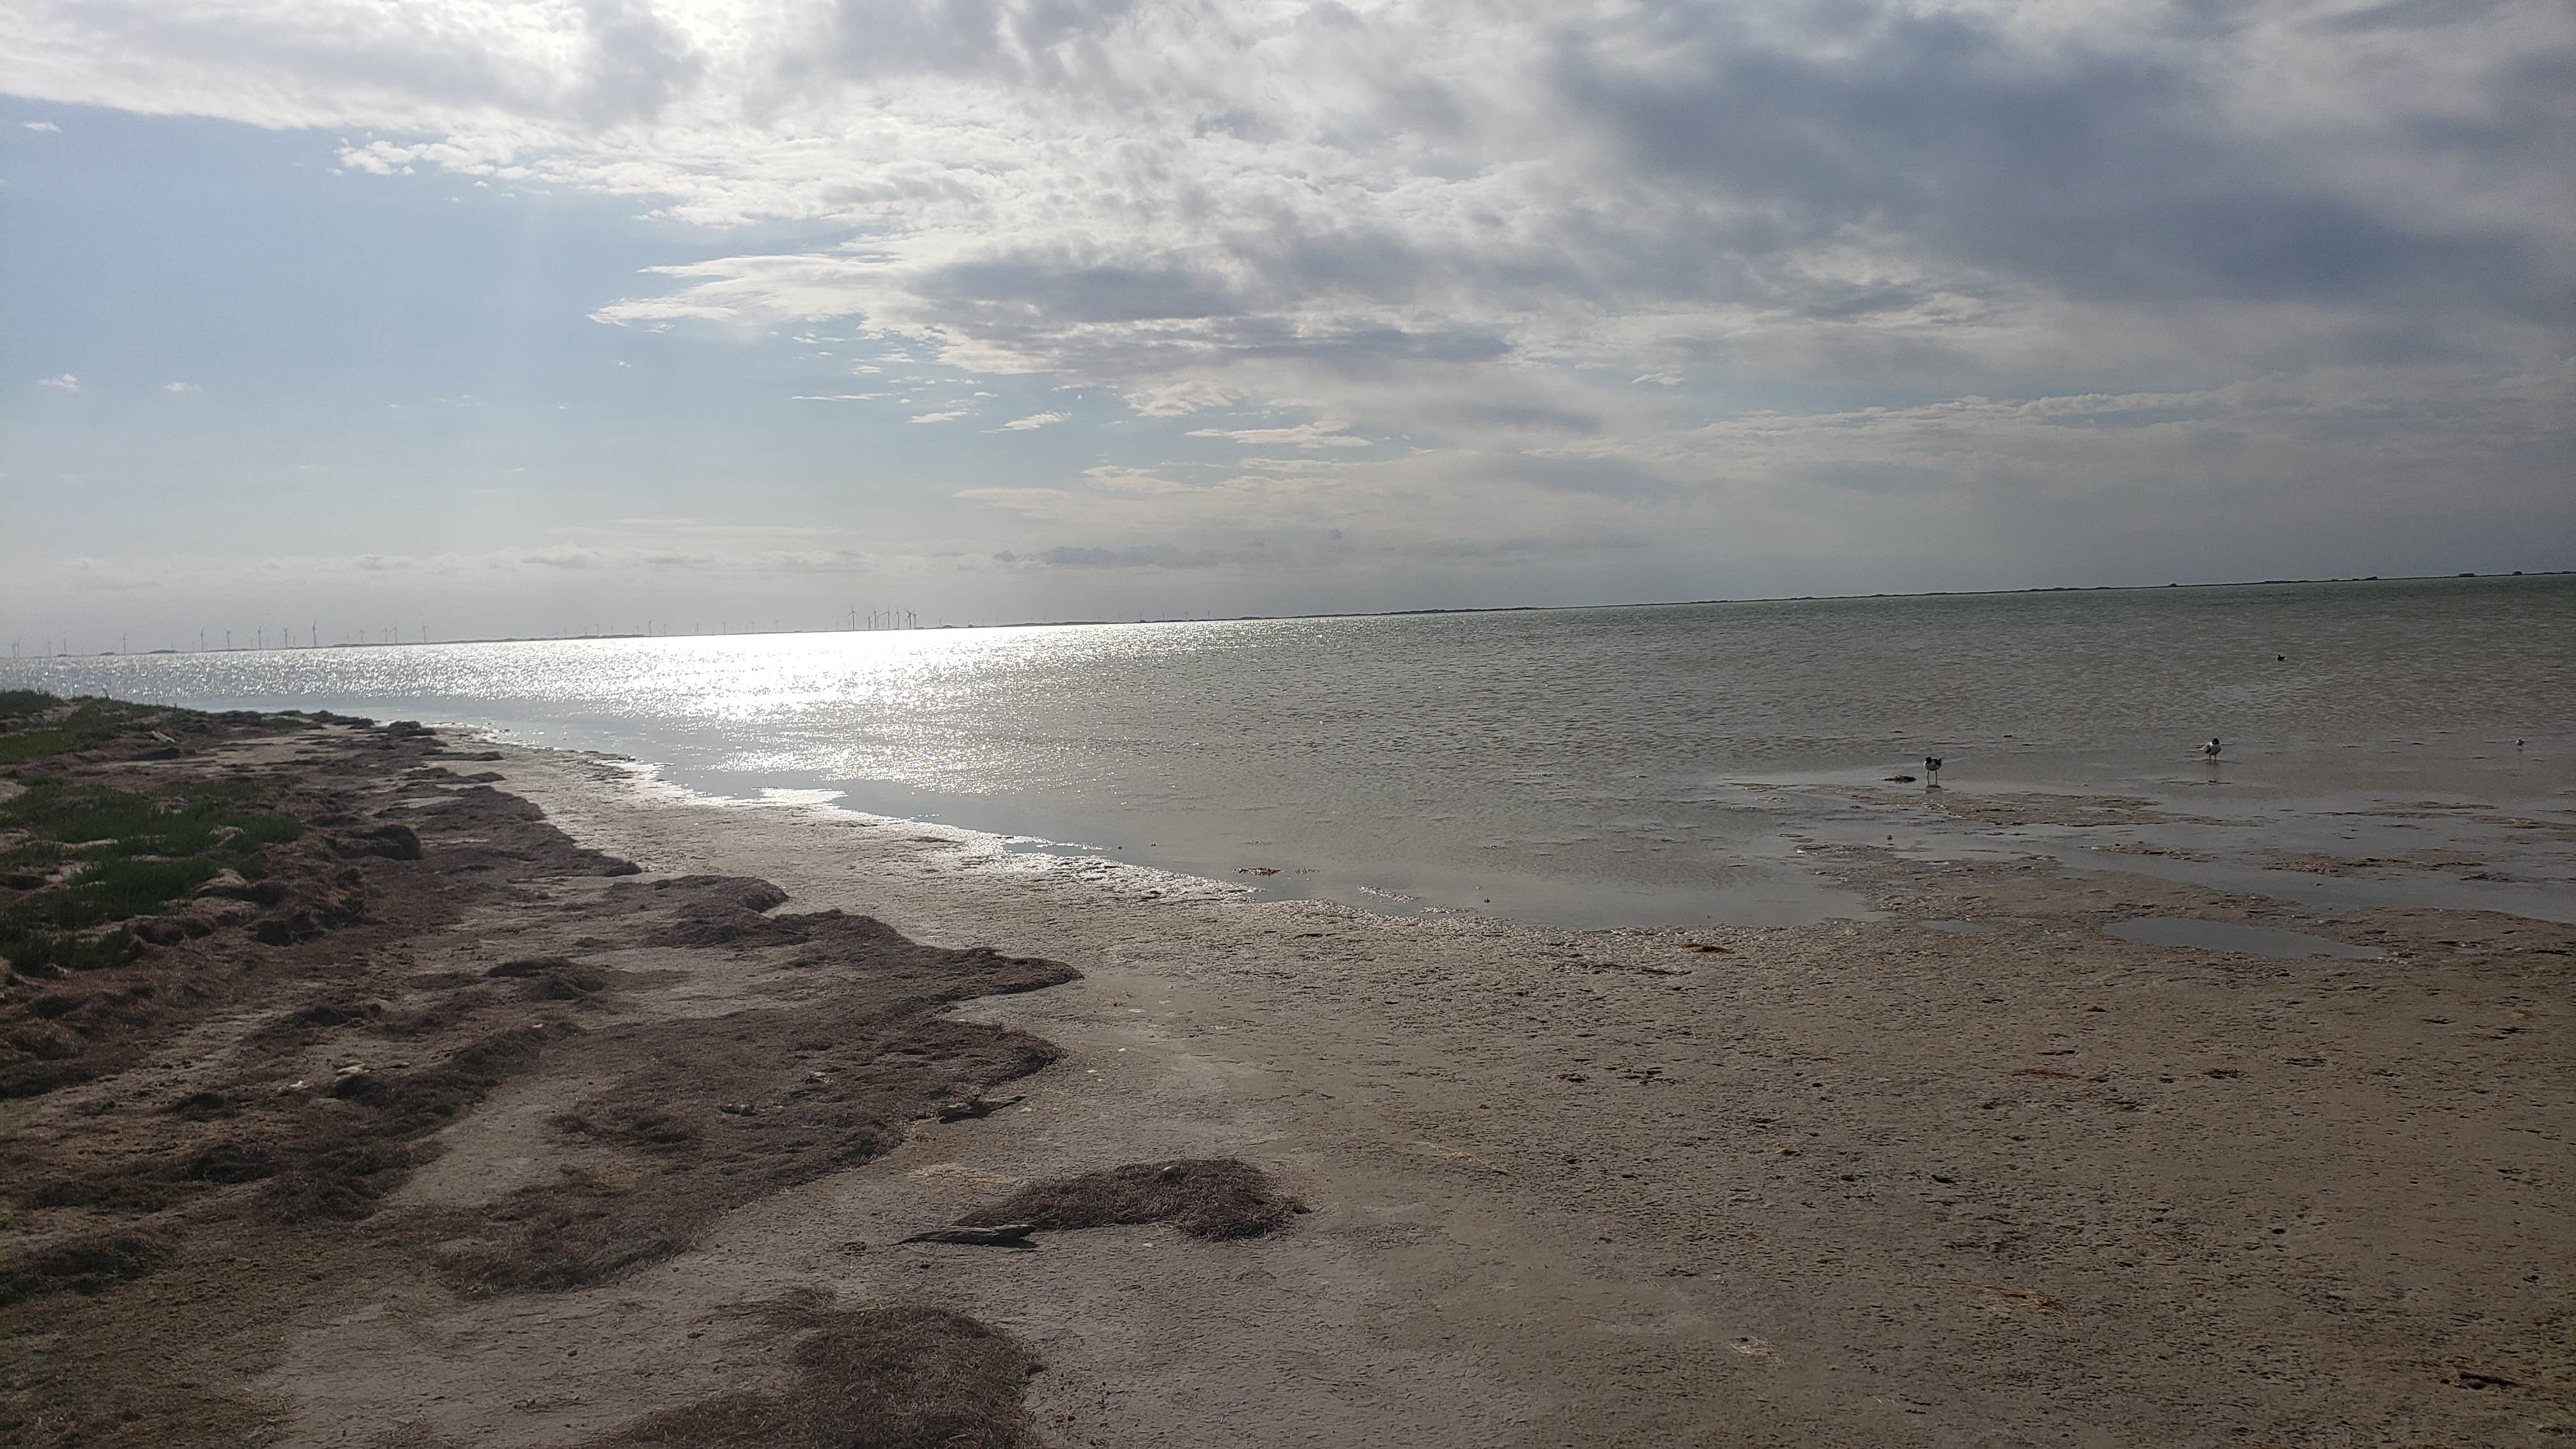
(34, 725)
(135, 854)
(108, 890)
(76, 813)
(124, 823)
(35, 855)
(34, 951)
(19, 704)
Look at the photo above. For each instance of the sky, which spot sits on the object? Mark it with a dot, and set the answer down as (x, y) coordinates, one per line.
(342, 317)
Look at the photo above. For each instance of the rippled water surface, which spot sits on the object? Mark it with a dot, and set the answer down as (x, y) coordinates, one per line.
(1600, 766)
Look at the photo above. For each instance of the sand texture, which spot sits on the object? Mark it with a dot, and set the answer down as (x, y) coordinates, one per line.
(1860, 1183)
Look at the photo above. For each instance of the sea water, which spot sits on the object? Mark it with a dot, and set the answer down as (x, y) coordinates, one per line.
(1651, 765)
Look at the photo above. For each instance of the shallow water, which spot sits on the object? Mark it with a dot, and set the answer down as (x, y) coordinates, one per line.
(2232, 936)
(1598, 767)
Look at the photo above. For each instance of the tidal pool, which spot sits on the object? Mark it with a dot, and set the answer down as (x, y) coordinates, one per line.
(2232, 936)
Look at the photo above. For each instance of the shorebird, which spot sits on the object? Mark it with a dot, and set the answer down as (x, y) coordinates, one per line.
(2210, 751)
(1932, 768)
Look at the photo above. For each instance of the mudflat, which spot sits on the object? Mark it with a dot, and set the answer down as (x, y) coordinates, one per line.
(581, 1112)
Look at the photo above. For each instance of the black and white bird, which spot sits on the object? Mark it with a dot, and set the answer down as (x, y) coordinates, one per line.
(2209, 751)
(1932, 769)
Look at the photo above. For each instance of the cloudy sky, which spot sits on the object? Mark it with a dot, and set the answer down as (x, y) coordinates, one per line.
(566, 314)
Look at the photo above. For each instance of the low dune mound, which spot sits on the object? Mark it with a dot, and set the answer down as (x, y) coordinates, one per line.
(1205, 1197)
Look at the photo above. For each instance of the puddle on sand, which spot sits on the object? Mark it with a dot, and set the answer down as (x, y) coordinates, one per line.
(2230, 936)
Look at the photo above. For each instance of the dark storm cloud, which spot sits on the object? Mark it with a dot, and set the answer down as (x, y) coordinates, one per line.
(2104, 176)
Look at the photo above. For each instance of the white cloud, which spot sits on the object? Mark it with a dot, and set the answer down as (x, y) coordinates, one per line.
(1136, 193)
(1303, 435)
(1133, 480)
(1033, 420)
(63, 380)
(180, 387)
(1038, 502)
(1296, 465)
(1457, 227)
(840, 397)
(1183, 396)
(46, 126)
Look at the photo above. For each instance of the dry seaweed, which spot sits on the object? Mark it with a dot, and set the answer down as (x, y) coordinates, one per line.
(1208, 1197)
(82, 1265)
(890, 1376)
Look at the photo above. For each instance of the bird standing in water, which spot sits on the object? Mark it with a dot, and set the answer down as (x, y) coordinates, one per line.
(2210, 751)
(1932, 771)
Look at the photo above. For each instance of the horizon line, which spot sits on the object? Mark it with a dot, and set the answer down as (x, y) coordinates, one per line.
(1355, 614)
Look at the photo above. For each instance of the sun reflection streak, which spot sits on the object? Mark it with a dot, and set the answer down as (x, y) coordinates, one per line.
(922, 707)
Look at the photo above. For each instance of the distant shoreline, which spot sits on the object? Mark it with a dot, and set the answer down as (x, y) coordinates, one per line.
(1354, 614)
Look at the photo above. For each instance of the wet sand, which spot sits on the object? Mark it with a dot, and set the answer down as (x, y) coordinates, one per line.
(1857, 1183)
(1870, 1182)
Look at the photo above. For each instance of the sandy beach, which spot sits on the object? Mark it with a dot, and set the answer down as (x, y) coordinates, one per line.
(587, 1122)
(1146, 724)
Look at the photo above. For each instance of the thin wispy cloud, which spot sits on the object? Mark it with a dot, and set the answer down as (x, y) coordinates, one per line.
(1031, 422)
(1303, 435)
(63, 381)
(45, 126)
(948, 416)
(181, 387)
